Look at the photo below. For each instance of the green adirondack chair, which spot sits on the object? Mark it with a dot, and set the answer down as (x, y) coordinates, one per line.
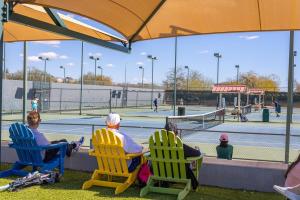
(168, 163)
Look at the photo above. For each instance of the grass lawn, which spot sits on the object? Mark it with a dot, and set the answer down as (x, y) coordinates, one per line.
(70, 188)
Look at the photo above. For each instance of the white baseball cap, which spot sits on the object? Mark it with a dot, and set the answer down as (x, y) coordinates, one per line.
(113, 119)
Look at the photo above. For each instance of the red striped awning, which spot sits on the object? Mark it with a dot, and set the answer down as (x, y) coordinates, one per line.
(256, 91)
(229, 89)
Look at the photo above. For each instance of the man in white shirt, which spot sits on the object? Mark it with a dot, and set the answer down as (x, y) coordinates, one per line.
(129, 145)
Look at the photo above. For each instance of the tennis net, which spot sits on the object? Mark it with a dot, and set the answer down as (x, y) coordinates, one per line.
(193, 123)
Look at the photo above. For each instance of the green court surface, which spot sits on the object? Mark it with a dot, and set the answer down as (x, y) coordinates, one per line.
(70, 189)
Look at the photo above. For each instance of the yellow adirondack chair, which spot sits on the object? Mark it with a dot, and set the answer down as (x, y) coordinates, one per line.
(111, 159)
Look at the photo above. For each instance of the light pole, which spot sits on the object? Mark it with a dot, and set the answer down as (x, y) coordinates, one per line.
(187, 78)
(142, 68)
(99, 67)
(152, 60)
(62, 67)
(218, 56)
(45, 59)
(237, 73)
(95, 59)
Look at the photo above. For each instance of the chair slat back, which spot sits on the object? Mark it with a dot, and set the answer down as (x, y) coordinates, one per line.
(25, 144)
(167, 155)
(109, 152)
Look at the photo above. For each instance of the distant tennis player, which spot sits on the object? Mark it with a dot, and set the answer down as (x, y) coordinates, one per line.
(34, 104)
(155, 104)
(277, 108)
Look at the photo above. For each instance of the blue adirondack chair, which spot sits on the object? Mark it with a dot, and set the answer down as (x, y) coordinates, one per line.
(30, 154)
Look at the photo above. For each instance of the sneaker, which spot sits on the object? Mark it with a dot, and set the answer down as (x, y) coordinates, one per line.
(78, 143)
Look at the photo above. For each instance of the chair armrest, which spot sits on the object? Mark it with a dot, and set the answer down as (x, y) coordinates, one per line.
(190, 159)
(133, 155)
(92, 152)
(54, 146)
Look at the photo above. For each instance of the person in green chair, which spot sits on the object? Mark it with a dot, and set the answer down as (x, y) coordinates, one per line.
(224, 150)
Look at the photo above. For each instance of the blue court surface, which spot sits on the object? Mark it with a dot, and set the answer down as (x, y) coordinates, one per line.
(141, 128)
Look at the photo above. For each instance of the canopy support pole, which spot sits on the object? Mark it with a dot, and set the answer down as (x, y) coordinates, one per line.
(2, 20)
(81, 80)
(24, 82)
(175, 77)
(290, 98)
(55, 17)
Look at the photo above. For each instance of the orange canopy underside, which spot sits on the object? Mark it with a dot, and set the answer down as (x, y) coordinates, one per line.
(184, 17)
(14, 32)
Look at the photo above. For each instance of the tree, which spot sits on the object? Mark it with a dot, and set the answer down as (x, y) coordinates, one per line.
(253, 80)
(196, 80)
(33, 75)
(89, 78)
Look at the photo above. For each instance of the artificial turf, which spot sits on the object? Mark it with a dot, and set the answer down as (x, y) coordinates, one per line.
(70, 188)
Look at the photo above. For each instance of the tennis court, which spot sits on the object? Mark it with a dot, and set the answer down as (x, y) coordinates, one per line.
(266, 138)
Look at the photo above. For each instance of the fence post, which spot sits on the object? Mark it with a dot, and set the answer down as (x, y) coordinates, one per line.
(109, 100)
(136, 98)
(290, 98)
(93, 130)
(60, 99)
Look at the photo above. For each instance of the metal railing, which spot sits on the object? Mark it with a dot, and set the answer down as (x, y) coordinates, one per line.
(264, 146)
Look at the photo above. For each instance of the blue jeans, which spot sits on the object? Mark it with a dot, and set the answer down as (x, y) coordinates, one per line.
(135, 162)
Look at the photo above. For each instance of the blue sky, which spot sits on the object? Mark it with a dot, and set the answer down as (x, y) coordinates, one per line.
(264, 53)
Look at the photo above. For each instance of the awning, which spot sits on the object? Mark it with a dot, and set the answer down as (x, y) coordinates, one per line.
(227, 89)
(255, 91)
(14, 32)
(149, 19)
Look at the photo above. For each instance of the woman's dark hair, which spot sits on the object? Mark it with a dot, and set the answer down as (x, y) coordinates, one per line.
(223, 143)
(171, 127)
(292, 166)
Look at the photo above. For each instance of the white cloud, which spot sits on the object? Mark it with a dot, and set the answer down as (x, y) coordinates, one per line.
(98, 54)
(63, 57)
(139, 63)
(21, 55)
(203, 52)
(33, 58)
(51, 55)
(109, 65)
(52, 42)
(143, 53)
(249, 37)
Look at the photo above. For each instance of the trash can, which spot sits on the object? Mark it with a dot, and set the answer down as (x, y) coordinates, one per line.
(266, 115)
(181, 111)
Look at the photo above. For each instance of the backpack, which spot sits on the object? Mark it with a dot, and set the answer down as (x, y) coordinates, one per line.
(144, 174)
